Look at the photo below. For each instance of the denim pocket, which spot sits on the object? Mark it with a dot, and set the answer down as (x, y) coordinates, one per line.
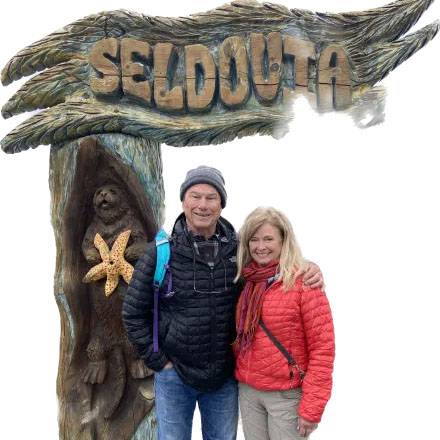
(165, 376)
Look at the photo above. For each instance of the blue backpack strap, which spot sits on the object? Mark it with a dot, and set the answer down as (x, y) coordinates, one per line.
(162, 259)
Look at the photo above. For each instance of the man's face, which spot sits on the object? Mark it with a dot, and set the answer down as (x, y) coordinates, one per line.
(202, 207)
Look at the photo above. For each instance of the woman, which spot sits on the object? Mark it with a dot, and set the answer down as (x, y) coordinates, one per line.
(285, 338)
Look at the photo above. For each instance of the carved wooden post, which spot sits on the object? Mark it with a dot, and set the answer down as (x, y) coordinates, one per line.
(103, 392)
(116, 85)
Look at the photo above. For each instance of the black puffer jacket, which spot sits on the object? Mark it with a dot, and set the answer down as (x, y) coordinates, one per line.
(196, 325)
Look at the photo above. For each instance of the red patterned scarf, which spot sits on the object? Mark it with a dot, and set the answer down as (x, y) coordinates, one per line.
(250, 303)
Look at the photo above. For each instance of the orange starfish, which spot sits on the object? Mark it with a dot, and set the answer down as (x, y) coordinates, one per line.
(113, 263)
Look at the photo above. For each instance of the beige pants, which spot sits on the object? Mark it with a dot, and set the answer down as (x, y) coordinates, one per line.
(269, 415)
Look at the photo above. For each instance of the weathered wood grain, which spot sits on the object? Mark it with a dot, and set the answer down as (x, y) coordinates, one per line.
(303, 52)
(50, 88)
(83, 118)
(109, 83)
(270, 53)
(169, 99)
(199, 59)
(139, 89)
(234, 82)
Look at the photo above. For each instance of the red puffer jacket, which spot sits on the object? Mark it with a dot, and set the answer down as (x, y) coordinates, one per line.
(301, 320)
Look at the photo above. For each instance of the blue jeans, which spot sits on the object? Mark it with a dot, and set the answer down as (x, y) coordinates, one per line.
(176, 401)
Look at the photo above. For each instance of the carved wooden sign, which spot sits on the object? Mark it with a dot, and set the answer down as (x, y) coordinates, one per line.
(179, 80)
(112, 87)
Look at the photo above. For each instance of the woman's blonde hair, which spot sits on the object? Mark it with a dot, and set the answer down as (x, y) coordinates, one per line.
(291, 260)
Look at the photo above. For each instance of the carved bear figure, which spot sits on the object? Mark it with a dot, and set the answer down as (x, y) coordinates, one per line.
(108, 341)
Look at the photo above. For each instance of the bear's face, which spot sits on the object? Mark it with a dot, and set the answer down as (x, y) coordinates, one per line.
(109, 203)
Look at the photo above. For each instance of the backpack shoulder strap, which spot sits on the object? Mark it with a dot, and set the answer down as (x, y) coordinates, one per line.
(162, 256)
(162, 260)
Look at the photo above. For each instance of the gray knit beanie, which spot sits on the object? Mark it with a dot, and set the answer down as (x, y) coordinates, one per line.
(205, 174)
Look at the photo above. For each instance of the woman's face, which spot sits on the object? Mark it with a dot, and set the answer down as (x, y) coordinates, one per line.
(265, 245)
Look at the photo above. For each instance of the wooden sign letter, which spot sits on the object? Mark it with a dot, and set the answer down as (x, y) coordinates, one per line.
(266, 65)
(302, 51)
(105, 78)
(134, 81)
(200, 77)
(334, 80)
(298, 55)
(166, 98)
(233, 65)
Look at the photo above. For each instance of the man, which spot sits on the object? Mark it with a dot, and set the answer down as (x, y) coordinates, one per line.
(194, 361)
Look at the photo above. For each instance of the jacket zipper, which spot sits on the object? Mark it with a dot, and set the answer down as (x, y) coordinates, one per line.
(212, 278)
(213, 323)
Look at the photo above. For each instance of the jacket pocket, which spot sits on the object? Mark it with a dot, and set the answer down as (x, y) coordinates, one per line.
(164, 327)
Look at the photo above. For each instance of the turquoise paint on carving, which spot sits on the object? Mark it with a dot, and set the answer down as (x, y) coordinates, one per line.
(147, 428)
(61, 299)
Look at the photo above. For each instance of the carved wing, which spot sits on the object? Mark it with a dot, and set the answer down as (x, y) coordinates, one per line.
(373, 40)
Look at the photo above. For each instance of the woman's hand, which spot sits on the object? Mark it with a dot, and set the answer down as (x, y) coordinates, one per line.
(305, 428)
(312, 276)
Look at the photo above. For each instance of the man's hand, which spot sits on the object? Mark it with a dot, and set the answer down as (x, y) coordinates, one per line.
(312, 275)
(168, 365)
(305, 428)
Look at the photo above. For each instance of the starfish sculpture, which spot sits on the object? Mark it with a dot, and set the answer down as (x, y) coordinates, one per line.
(113, 263)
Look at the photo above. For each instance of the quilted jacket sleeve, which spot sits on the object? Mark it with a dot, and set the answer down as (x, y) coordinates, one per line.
(320, 340)
(137, 311)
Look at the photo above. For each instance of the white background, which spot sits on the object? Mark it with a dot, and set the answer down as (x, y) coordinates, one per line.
(364, 205)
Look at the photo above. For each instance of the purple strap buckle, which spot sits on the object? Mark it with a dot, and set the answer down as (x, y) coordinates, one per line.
(169, 291)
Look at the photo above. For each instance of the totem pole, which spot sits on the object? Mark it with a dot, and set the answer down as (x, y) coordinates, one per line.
(112, 88)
